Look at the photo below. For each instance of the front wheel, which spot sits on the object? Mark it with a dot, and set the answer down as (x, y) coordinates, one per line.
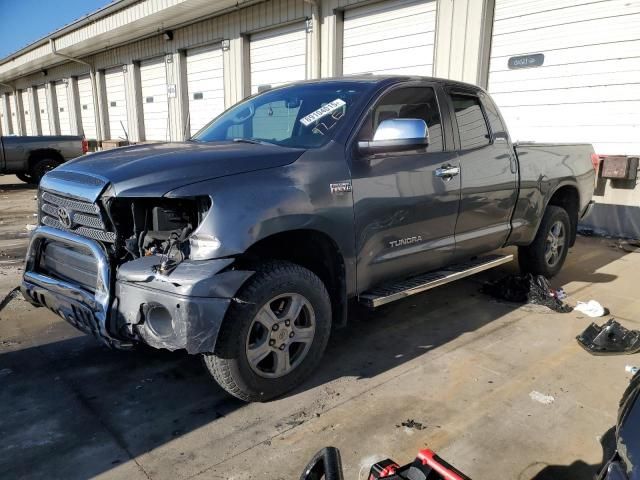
(41, 167)
(26, 178)
(548, 251)
(275, 336)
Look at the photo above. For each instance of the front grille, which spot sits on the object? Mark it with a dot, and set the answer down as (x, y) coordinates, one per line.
(77, 216)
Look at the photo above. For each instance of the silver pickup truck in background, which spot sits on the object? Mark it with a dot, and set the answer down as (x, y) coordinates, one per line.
(29, 158)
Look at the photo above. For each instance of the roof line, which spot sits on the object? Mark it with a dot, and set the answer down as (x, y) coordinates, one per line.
(75, 24)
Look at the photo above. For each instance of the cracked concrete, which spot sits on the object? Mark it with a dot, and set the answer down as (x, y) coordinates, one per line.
(460, 364)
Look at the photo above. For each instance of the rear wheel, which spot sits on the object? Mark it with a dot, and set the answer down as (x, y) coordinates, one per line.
(548, 251)
(41, 167)
(274, 338)
(26, 178)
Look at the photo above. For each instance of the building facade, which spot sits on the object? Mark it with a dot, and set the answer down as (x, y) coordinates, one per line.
(159, 70)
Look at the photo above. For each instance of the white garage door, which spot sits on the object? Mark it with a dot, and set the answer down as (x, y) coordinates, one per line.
(87, 112)
(278, 56)
(587, 88)
(43, 107)
(116, 103)
(14, 114)
(3, 118)
(26, 108)
(205, 84)
(63, 108)
(155, 103)
(390, 38)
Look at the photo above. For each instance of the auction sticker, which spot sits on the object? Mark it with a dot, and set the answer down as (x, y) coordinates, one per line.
(322, 111)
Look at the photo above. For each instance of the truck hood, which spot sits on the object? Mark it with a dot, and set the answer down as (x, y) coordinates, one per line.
(155, 169)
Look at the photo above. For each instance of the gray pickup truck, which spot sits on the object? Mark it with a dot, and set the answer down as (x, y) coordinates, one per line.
(249, 242)
(29, 158)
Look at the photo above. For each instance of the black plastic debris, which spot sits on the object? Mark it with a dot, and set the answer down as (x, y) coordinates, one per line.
(609, 339)
(527, 288)
(8, 297)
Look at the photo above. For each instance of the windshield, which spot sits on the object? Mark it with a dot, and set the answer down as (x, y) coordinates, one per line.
(303, 116)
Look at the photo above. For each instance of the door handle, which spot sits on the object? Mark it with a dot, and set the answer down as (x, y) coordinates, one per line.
(447, 172)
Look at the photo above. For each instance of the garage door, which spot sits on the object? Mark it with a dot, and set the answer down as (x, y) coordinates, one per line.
(63, 108)
(43, 107)
(155, 104)
(116, 103)
(26, 108)
(568, 71)
(87, 112)
(205, 84)
(278, 56)
(14, 114)
(390, 38)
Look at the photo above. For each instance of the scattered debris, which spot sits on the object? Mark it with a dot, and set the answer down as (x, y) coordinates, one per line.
(631, 369)
(559, 293)
(411, 423)
(8, 297)
(541, 398)
(30, 227)
(631, 246)
(526, 288)
(591, 308)
(609, 339)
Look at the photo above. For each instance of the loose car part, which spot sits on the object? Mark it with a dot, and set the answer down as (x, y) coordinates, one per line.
(609, 339)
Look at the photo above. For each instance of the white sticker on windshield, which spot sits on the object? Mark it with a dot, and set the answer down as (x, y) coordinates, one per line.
(322, 111)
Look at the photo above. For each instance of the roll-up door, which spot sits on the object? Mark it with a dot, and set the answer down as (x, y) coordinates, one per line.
(43, 107)
(155, 103)
(278, 56)
(87, 112)
(14, 114)
(26, 108)
(116, 103)
(568, 71)
(394, 37)
(62, 98)
(205, 84)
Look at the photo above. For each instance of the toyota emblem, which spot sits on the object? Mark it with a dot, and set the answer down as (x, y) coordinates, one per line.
(64, 217)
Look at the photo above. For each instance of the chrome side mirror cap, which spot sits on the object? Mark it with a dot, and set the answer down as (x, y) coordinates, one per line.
(397, 135)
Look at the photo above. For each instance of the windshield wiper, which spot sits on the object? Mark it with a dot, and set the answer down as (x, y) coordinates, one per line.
(254, 141)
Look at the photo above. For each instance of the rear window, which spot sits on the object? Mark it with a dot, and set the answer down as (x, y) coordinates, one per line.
(472, 125)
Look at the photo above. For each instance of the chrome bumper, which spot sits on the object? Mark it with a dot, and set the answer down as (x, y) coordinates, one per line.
(89, 312)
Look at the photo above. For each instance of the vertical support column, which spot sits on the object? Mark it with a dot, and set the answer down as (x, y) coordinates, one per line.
(178, 103)
(52, 102)
(332, 41)
(463, 39)
(74, 106)
(34, 109)
(102, 112)
(6, 107)
(133, 88)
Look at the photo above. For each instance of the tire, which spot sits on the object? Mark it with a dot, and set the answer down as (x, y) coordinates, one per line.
(26, 178)
(269, 297)
(539, 257)
(42, 166)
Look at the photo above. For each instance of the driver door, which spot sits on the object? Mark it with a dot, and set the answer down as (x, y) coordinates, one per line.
(405, 211)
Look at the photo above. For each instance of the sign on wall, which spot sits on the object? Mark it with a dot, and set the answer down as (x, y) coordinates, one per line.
(526, 61)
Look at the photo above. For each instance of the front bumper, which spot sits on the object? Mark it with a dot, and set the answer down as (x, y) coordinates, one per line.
(183, 310)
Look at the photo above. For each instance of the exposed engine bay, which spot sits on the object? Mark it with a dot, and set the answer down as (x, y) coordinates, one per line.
(151, 226)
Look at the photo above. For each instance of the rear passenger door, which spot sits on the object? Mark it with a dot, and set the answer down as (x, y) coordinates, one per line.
(488, 174)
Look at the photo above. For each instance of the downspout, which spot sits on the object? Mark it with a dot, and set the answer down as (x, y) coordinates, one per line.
(94, 88)
(315, 18)
(15, 101)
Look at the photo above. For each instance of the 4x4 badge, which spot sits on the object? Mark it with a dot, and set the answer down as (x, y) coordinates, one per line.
(342, 187)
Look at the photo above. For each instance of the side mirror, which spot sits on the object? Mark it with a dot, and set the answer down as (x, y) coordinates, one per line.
(397, 135)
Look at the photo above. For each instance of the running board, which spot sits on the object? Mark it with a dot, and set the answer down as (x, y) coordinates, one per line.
(395, 291)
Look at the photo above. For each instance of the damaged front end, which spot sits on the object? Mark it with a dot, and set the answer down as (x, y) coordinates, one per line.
(129, 270)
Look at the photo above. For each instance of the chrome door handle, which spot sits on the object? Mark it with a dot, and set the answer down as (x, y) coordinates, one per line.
(447, 171)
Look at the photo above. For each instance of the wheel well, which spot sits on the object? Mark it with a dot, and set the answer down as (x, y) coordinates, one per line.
(568, 198)
(37, 155)
(313, 250)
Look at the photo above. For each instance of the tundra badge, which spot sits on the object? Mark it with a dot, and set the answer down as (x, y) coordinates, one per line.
(405, 241)
(342, 187)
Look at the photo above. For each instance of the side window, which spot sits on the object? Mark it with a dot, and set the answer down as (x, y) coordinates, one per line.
(497, 128)
(409, 102)
(471, 122)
